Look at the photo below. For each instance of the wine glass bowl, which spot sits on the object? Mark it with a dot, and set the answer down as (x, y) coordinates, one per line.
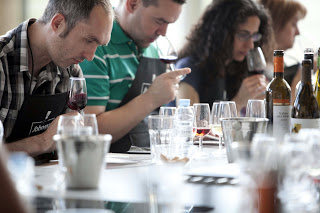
(256, 61)
(216, 129)
(256, 108)
(67, 124)
(222, 109)
(77, 94)
(202, 121)
(91, 121)
(170, 111)
(167, 53)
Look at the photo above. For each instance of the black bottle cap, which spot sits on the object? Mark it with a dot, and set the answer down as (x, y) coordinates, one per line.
(278, 53)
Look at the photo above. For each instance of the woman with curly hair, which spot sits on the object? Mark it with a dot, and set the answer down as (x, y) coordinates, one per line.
(216, 52)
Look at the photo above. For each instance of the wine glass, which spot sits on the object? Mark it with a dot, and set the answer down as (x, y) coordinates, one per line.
(167, 53)
(256, 61)
(256, 108)
(202, 121)
(171, 111)
(222, 109)
(90, 120)
(233, 108)
(215, 124)
(77, 94)
(71, 125)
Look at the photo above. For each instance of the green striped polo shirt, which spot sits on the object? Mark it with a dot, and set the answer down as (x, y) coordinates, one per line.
(110, 74)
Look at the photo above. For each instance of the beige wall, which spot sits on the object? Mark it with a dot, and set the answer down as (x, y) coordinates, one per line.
(189, 16)
(11, 14)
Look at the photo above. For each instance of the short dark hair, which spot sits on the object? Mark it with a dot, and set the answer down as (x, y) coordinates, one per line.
(147, 3)
(73, 11)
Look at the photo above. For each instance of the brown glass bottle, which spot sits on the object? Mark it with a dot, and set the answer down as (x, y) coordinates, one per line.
(278, 100)
(305, 111)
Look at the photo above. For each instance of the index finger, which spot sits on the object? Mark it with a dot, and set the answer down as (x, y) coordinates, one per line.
(178, 72)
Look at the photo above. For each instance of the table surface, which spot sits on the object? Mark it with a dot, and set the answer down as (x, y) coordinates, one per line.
(127, 178)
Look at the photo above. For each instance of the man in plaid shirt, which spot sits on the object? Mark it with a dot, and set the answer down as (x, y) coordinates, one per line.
(36, 61)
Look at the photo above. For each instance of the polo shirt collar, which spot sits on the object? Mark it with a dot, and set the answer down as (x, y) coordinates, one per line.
(118, 36)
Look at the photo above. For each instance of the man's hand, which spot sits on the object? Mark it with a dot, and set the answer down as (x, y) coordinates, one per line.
(49, 144)
(165, 87)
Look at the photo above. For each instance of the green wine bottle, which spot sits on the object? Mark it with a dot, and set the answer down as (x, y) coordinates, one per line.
(305, 111)
(317, 84)
(278, 100)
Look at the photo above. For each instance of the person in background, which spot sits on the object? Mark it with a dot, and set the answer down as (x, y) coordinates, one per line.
(285, 16)
(126, 80)
(216, 52)
(36, 61)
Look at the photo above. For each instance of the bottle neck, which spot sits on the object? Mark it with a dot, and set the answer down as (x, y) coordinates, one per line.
(309, 56)
(306, 75)
(278, 67)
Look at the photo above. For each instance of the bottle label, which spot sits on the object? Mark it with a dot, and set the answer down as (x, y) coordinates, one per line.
(281, 120)
(184, 132)
(298, 123)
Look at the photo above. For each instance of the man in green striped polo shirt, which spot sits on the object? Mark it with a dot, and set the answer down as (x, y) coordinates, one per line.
(126, 82)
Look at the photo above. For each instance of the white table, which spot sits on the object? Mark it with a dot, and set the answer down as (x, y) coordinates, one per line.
(129, 183)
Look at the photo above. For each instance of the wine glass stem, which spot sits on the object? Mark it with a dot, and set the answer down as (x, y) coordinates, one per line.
(171, 65)
(220, 142)
(200, 143)
(81, 112)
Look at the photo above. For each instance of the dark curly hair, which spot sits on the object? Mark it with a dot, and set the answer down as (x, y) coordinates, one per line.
(210, 43)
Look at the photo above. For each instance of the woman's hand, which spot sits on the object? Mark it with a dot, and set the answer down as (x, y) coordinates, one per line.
(252, 87)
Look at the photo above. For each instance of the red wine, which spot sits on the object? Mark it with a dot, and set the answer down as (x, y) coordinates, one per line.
(203, 131)
(78, 101)
(170, 59)
(255, 72)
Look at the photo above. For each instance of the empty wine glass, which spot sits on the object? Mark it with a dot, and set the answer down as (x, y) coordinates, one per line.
(167, 53)
(222, 109)
(90, 120)
(202, 121)
(77, 94)
(256, 108)
(233, 108)
(68, 124)
(216, 129)
(256, 61)
(167, 110)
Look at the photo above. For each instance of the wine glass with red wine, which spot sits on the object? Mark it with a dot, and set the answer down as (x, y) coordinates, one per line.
(167, 53)
(202, 121)
(77, 94)
(256, 61)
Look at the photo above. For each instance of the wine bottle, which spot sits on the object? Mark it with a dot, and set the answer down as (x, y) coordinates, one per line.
(317, 83)
(305, 111)
(308, 54)
(278, 100)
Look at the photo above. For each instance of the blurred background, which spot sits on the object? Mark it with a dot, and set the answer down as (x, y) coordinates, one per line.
(13, 12)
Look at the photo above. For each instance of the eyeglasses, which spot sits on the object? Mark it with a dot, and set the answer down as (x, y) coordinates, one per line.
(245, 36)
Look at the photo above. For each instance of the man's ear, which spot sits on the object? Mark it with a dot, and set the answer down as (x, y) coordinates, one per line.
(131, 5)
(58, 23)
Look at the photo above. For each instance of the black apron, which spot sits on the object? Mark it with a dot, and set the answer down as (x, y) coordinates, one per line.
(34, 117)
(148, 70)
